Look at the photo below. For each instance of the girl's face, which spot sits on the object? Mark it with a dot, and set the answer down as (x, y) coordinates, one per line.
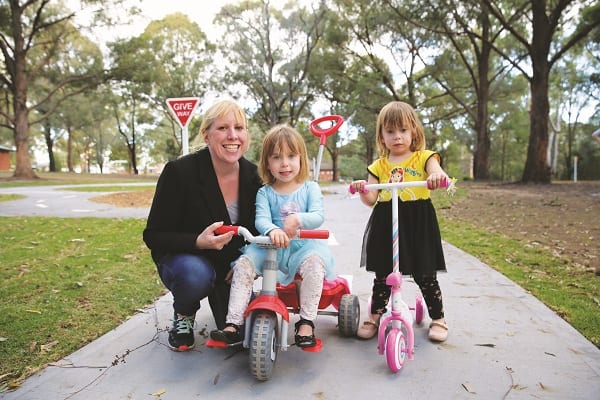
(397, 140)
(284, 165)
(227, 139)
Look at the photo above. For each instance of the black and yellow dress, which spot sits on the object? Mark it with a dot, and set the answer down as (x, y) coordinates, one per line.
(420, 245)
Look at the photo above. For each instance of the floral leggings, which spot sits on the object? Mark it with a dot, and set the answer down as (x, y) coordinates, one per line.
(312, 271)
(430, 288)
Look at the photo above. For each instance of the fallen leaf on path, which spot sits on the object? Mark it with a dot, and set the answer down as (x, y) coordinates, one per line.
(468, 388)
(159, 392)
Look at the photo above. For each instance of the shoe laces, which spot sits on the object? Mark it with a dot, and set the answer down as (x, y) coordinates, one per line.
(184, 324)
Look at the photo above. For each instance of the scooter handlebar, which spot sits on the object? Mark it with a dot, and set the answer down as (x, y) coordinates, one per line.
(445, 183)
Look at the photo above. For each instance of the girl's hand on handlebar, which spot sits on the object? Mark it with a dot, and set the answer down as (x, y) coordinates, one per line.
(208, 240)
(358, 186)
(437, 180)
(291, 224)
(279, 238)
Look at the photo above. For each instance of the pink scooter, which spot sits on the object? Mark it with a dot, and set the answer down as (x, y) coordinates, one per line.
(396, 336)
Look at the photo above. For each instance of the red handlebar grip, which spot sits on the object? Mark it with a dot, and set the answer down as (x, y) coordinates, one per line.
(227, 228)
(313, 234)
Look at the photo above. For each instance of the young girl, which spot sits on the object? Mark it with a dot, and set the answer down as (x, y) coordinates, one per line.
(401, 146)
(285, 204)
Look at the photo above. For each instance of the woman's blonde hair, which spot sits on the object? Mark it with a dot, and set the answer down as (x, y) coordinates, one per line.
(398, 114)
(220, 109)
(279, 137)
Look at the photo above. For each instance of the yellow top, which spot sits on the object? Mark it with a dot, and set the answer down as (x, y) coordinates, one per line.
(411, 169)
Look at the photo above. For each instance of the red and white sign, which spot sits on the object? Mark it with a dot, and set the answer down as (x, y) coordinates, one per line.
(182, 109)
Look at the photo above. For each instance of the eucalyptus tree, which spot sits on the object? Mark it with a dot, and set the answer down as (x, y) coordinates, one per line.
(267, 53)
(67, 110)
(543, 31)
(185, 59)
(42, 26)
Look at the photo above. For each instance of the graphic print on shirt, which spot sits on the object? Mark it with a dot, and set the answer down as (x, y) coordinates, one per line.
(397, 175)
(288, 209)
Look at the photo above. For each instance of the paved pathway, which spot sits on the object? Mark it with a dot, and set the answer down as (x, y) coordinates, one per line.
(503, 344)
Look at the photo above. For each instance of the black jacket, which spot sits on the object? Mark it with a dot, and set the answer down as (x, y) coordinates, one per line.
(188, 199)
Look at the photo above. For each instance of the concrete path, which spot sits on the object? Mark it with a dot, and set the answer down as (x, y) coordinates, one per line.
(503, 344)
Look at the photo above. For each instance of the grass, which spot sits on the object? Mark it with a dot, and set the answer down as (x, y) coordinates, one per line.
(66, 282)
(10, 197)
(68, 178)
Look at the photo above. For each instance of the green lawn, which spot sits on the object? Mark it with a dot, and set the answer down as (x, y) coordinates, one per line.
(66, 282)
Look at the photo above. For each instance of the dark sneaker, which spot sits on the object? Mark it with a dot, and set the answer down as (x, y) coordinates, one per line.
(181, 335)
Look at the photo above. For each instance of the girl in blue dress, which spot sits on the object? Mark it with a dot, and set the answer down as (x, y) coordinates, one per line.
(287, 202)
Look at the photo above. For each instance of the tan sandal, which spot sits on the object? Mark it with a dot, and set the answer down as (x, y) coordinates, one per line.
(368, 329)
(438, 331)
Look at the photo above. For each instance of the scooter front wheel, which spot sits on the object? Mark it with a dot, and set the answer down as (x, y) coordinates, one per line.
(395, 349)
(263, 345)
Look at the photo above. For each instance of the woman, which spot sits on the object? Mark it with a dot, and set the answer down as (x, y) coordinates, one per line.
(195, 195)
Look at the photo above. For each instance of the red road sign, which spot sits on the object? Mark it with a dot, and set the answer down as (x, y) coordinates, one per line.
(182, 108)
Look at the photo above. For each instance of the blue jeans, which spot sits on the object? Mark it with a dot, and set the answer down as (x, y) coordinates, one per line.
(191, 278)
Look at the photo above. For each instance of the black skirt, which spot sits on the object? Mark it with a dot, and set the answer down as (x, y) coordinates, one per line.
(420, 242)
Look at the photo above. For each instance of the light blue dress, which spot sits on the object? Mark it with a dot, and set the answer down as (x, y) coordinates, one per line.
(271, 210)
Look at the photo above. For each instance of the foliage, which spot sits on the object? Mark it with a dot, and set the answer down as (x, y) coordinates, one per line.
(464, 65)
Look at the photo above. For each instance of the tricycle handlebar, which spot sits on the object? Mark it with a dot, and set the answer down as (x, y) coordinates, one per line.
(249, 237)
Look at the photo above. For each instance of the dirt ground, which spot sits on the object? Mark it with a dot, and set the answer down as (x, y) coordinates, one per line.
(563, 217)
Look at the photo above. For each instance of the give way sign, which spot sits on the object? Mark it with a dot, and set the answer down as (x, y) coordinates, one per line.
(182, 109)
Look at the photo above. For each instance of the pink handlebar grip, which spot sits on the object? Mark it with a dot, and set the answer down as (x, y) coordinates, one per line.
(313, 234)
(352, 191)
(444, 183)
(227, 228)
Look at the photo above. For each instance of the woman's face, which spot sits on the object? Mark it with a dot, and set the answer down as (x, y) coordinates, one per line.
(227, 139)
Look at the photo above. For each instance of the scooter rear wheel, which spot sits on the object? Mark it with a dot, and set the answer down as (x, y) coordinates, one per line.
(263, 345)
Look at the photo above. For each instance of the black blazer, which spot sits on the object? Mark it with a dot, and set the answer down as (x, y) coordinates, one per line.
(188, 199)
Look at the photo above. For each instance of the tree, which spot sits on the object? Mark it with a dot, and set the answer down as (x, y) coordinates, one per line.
(269, 53)
(545, 42)
(35, 26)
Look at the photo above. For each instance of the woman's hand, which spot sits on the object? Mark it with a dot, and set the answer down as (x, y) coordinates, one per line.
(208, 240)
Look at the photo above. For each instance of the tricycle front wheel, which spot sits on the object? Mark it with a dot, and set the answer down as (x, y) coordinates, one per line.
(264, 345)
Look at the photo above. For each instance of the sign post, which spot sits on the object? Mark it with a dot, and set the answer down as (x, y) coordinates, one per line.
(182, 109)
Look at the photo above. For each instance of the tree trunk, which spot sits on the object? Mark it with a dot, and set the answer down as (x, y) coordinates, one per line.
(70, 149)
(537, 169)
(23, 168)
(481, 156)
(49, 148)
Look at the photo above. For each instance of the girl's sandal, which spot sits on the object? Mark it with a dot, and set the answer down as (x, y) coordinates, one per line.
(229, 337)
(438, 331)
(368, 329)
(305, 341)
